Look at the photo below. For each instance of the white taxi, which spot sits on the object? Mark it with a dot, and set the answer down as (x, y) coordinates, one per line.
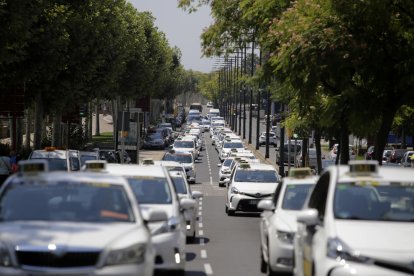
(59, 160)
(248, 184)
(278, 220)
(154, 190)
(184, 191)
(61, 223)
(227, 148)
(358, 221)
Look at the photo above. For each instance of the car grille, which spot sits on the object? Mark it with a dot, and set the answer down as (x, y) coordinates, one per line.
(48, 259)
(248, 205)
(258, 195)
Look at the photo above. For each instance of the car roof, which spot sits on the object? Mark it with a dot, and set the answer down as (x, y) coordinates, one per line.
(136, 170)
(257, 166)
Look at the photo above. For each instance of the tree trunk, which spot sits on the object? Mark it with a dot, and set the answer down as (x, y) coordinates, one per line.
(27, 129)
(318, 149)
(19, 134)
(90, 106)
(38, 122)
(56, 132)
(97, 126)
(305, 154)
(344, 144)
(382, 135)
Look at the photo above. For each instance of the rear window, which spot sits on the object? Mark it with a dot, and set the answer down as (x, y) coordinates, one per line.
(256, 176)
(151, 190)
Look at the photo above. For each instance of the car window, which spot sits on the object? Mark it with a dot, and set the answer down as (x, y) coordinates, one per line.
(256, 176)
(232, 145)
(295, 196)
(151, 190)
(179, 184)
(65, 201)
(184, 144)
(383, 202)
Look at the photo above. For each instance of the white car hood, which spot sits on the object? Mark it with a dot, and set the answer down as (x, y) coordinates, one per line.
(391, 241)
(256, 187)
(69, 234)
(286, 220)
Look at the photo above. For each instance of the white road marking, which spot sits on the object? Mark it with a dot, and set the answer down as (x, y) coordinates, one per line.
(200, 208)
(208, 269)
(199, 213)
(200, 225)
(211, 180)
(203, 254)
(200, 203)
(200, 232)
(202, 242)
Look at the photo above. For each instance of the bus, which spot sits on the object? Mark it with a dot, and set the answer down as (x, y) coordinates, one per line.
(197, 106)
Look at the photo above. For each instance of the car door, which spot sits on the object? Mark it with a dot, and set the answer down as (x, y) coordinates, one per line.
(308, 236)
(265, 223)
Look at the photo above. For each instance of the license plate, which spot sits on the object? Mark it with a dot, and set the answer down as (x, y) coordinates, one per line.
(253, 202)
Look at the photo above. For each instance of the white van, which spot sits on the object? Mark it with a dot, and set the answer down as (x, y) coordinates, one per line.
(214, 112)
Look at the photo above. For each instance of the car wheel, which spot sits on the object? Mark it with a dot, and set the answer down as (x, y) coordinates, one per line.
(226, 210)
(230, 213)
(192, 238)
(179, 272)
(263, 264)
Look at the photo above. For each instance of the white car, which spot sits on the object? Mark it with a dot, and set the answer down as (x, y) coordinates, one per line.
(209, 104)
(278, 223)
(358, 221)
(59, 160)
(225, 170)
(272, 139)
(154, 190)
(62, 223)
(186, 159)
(248, 184)
(186, 145)
(184, 191)
(227, 148)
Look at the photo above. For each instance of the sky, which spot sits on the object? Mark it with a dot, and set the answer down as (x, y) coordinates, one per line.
(181, 29)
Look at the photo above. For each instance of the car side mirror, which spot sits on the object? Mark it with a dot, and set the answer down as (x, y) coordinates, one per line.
(266, 205)
(308, 217)
(155, 216)
(186, 203)
(197, 194)
(219, 165)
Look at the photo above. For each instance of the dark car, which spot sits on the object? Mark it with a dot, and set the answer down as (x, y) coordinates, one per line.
(156, 140)
(396, 155)
(289, 158)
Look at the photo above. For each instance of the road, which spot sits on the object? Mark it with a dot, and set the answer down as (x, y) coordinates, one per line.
(225, 245)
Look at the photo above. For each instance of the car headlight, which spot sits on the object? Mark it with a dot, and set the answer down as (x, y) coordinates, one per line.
(5, 258)
(286, 237)
(171, 225)
(234, 190)
(338, 250)
(133, 254)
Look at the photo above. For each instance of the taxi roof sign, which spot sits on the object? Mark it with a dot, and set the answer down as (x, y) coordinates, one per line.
(95, 165)
(148, 162)
(300, 172)
(33, 166)
(362, 167)
(244, 165)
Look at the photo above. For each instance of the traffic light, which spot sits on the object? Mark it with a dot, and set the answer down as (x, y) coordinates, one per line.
(83, 110)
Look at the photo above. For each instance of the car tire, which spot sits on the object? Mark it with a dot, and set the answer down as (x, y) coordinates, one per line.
(226, 210)
(192, 238)
(230, 213)
(263, 264)
(179, 272)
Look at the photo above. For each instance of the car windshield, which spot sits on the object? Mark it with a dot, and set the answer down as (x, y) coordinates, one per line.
(154, 135)
(179, 184)
(267, 176)
(151, 190)
(295, 196)
(375, 201)
(56, 164)
(184, 144)
(181, 158)
(227, 162)
(65, 201)
(85, 158)
(233, 145)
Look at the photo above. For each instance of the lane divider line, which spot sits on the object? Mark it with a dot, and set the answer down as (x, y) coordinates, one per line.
(208, 269)
(203, 254)
(200, 232)
(200, 225)
(202, 242)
